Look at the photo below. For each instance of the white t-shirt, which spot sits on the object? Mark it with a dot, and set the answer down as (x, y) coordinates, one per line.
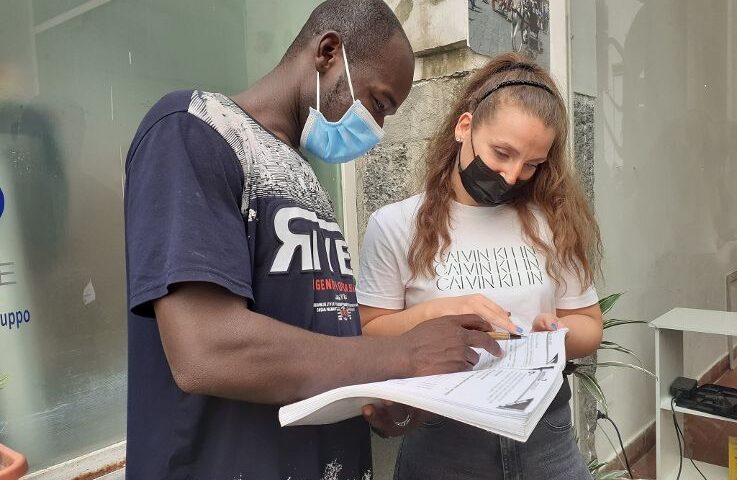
(487, 255)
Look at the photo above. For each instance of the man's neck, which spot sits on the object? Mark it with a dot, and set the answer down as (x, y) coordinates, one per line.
(274, 102)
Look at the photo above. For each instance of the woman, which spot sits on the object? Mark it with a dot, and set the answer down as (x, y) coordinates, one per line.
(504, 232)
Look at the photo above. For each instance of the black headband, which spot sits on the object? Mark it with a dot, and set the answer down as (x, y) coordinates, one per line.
(511, 83)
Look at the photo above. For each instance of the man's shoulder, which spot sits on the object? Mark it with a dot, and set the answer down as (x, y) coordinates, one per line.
(172, 124)
(173, 102)
(196, 106)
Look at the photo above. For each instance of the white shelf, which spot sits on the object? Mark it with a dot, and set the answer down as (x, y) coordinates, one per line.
(665, 405)
(712, 472)
(701, 321)
(669, 361)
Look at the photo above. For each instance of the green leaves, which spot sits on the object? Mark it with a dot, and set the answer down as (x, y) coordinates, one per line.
(607, 345)
(618, 364)
(592, 386)
(595, 469)
(607, 303)
(588, 379)
(613, 475)
(615, 323)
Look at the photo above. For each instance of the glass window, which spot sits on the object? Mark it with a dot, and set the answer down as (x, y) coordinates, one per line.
(76, 77)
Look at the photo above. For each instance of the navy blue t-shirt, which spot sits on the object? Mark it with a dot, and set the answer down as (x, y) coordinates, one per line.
(211, 196)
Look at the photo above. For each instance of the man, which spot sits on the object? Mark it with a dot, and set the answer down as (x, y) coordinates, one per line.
(241, 292)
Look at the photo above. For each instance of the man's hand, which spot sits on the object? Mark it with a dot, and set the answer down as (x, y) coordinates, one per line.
(443, 345)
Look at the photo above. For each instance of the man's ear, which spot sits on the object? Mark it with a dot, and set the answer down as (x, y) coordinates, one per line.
(328, 51)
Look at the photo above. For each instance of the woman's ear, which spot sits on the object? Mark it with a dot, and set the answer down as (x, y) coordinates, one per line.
(463, 126)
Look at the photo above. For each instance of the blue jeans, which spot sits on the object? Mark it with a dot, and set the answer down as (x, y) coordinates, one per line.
(444, 449)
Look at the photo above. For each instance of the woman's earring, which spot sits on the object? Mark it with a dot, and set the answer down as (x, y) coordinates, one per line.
(458, 139)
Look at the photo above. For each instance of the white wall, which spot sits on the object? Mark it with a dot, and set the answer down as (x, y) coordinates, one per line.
(583, 46)
(665, 173)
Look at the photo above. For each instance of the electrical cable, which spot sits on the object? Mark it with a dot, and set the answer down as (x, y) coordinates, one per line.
(614, 449)
(619, 436)
(679, 437)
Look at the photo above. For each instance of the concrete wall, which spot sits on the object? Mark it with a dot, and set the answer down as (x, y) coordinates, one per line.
(432, 24)
(662, 76)
(393, 170)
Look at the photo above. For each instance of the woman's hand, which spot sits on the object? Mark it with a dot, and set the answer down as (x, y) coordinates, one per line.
(393, 419)
(381, 321)
(584, 328)
(474, 304)
(546, 322)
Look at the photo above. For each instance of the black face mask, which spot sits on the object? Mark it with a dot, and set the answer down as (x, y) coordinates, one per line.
(487, 187)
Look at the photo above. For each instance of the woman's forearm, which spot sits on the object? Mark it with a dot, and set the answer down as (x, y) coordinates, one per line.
(402, 321)
(584, 336)
(396, 323)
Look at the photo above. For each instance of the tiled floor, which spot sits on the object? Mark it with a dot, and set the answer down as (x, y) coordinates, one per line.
(706, 439)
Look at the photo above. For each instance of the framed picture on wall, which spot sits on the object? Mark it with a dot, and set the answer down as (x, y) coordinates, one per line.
(496, 26)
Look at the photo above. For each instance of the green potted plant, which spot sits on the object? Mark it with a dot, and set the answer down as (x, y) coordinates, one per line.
(13, 465)
(585, 369)
(582, 373)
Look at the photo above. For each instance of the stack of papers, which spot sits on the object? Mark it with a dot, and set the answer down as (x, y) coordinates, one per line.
(506, 395)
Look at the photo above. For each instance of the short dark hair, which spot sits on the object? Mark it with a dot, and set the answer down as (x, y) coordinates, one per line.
(364, 26)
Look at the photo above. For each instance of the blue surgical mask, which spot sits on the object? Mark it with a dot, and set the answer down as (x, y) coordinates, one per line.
(347, 139)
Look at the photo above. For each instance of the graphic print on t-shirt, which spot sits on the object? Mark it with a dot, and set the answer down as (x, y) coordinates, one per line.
(485, 268)
(309, 244)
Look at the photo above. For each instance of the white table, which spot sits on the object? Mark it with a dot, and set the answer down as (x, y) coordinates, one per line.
(669, 330)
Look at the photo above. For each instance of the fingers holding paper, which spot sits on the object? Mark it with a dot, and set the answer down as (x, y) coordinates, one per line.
(393, 419)
(545, 322)
(445, 345)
